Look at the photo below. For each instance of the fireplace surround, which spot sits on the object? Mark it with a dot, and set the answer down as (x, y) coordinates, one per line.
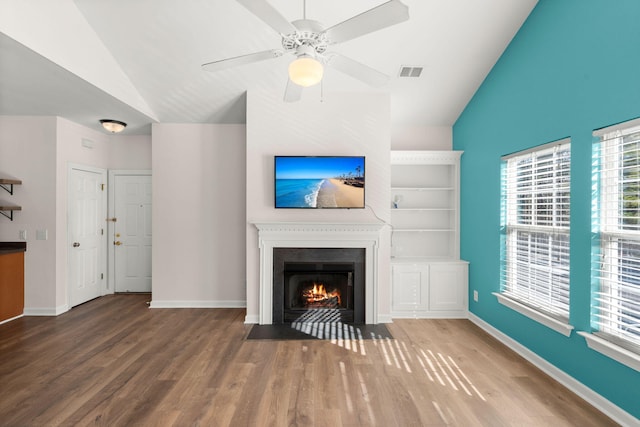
(365, 236)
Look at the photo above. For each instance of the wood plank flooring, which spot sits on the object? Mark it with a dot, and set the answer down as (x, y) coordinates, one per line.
(115, 362)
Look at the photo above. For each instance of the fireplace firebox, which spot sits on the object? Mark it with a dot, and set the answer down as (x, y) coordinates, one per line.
(309, 289)
(329, 279)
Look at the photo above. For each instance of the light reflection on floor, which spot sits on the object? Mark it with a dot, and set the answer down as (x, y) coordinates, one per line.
(438, 368)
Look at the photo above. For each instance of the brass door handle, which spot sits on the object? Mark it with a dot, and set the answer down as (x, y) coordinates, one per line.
(117, 243)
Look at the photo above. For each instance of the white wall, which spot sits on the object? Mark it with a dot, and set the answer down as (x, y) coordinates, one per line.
(38, 150)
(202, 199)
(343, 124)
(198, 215)
(421, 137)
(130, 152)
(28, 152)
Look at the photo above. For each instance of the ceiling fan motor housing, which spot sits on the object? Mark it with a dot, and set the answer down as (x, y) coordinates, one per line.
(309, 39)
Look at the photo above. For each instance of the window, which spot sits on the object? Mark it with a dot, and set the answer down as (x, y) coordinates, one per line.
(535, 226)
(615, 308)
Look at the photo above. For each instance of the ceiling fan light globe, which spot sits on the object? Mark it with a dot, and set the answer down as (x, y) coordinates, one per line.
(306, 71)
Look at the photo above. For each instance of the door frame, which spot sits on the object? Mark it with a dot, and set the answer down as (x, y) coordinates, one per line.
(111, 229)
(103, 241)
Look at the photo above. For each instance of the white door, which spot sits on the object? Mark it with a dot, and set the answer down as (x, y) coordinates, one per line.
(132, 232)
(86, 214)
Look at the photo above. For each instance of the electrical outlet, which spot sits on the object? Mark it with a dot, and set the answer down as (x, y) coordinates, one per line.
(22, 234)
(475, 296)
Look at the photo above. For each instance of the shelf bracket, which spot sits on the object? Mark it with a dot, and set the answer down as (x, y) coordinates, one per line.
(10, 215)
(8, 188)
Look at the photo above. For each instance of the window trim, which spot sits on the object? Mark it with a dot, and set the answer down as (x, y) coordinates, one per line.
(537, 148)
(555, 321)
(611, 350)
(606, 229)
(559, 326)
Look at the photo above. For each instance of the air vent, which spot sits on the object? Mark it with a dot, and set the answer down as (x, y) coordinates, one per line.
(410, 71)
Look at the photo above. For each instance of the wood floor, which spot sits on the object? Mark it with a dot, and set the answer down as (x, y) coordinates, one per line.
(115, 362)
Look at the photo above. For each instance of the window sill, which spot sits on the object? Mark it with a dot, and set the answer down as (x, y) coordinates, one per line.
(615, 352)
(548, 321)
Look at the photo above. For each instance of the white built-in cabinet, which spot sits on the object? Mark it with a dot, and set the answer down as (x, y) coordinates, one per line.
(428, 277)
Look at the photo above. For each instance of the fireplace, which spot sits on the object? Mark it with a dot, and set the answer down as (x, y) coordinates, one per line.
(329, 281)
(273, 236)
(310, 290)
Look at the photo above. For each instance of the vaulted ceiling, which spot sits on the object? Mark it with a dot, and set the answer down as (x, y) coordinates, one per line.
(139, 61)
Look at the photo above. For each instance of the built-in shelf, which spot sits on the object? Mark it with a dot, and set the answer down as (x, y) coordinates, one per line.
(420, 259)
(428, 278)
(423, 188)
(418, 230)
(421, 209)
(7, 209)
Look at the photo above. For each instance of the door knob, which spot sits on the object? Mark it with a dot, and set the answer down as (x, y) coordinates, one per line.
(76, 244)
(117, 243)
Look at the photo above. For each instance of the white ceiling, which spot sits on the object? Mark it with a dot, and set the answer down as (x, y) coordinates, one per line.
(158, 47)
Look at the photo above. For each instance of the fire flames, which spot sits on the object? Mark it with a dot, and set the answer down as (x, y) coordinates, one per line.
(317, 296)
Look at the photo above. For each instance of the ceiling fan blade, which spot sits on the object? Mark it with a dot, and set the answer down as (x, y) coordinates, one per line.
(241, 60)
(387, 14)
(269, 15)
(357, 70)
(293, 92)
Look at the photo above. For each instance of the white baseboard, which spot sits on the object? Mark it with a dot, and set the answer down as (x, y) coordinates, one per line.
(46, 311)
(252, 319)
(423, 314)
(605, 406)
(198, 304)
(385, 318)
(13, 318)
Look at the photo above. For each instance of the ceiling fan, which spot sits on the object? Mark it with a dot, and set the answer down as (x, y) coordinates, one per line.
(309, 41)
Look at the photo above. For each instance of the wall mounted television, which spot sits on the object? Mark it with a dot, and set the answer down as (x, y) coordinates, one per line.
(319, 182)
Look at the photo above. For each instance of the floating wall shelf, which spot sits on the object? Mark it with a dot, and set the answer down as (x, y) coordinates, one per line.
(9, 208)
(7, 184)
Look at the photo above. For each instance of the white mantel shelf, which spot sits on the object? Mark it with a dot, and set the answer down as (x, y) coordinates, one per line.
(318, 235)
(318, 227)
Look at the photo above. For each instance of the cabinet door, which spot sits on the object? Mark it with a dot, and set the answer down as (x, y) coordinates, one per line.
(448, 287)
(410, 287)
(11, 285)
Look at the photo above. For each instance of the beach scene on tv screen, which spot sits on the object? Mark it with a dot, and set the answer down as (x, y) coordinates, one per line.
(319, 182)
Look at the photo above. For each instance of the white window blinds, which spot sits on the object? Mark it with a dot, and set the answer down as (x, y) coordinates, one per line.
(615, 310)
(535, 225)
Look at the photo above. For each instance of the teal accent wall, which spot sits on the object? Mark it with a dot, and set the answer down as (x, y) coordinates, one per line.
(573, 67)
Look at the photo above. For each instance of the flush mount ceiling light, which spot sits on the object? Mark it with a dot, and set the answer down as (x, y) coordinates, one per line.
(113, 126)
(306, 71)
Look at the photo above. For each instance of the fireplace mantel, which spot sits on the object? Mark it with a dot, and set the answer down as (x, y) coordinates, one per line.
(318, 235)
